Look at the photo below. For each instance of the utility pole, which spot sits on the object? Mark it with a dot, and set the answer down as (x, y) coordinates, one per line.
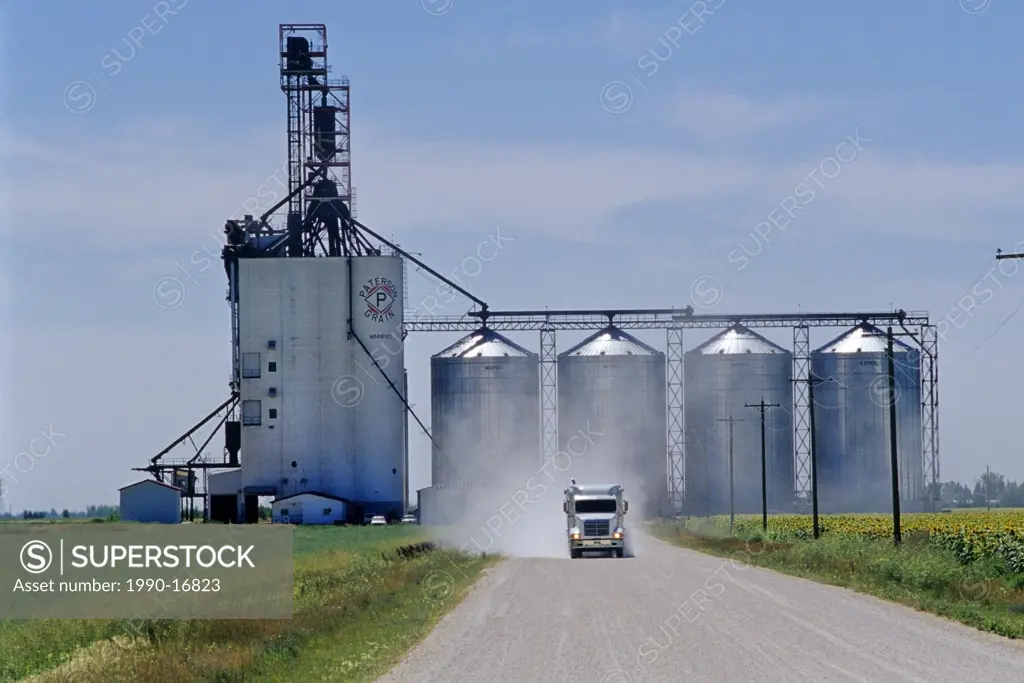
(732, 480)
(893, 454)
(1000, 255)
(762, 406)
(814, 456)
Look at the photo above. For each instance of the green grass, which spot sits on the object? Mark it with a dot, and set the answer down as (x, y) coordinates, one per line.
(359, 605)
(917, 574)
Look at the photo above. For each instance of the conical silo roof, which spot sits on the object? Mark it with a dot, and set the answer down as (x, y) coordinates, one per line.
(484, 343)
(864, 338)
(611, 341)
(738, 339)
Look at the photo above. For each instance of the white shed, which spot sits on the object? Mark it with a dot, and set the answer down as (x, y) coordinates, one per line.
(151, 501)
(309, 507)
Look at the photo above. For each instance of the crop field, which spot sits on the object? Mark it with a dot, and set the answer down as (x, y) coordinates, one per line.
(971, 535)
(362, 597)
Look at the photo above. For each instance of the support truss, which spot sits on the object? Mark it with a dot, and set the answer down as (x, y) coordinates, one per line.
(676, 417)
(801, 410)
(548, 395)
(654, 319)
(930, 411)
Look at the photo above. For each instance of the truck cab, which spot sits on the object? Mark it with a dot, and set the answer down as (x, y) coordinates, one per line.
(595, 519)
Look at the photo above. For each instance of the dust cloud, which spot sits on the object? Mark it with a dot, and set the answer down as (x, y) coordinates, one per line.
(518, 511)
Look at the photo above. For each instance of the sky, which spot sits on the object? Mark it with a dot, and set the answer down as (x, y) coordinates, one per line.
(739, 157)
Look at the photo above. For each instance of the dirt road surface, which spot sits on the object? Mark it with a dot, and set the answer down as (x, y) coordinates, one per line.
(670, 615)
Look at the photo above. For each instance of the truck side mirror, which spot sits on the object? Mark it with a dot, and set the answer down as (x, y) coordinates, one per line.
(625, 506)
(565, 507)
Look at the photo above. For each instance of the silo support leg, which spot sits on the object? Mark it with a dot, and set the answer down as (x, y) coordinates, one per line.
(676, 417)
(548, 395)
(801, 411)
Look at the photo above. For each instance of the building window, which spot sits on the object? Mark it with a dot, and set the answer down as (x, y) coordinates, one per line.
(284, 512)
(252, 412)
(327, 511)
(251, 365)
(273, 413)
(272, 366)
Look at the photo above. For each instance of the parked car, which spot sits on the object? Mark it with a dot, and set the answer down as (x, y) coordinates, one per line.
(378, 520)
(368, 517)
(409, 519)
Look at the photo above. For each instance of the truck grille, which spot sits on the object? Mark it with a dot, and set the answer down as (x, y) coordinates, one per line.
(595, 527)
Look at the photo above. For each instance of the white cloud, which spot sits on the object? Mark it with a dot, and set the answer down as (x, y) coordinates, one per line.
(720, 117)
(153, 185)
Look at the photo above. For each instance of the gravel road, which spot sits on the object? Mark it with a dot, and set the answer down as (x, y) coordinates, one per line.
(672, 615)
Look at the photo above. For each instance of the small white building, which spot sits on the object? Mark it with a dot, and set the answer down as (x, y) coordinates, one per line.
(151, 501)
(309, 507)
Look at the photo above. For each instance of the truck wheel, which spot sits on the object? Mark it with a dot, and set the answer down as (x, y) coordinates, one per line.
(620, 553)
(574, 554)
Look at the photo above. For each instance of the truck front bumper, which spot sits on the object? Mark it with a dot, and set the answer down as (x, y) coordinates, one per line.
(596, 543)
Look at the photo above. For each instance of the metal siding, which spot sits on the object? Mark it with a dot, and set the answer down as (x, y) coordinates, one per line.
(312, 510)
(299, 304)
(259, 320)
(300, 394)
(717, 386)
(485, 415)
(150, 503)
(337, 422)
(379, 439)
(852, 429)
(612, 419)
(224, 483)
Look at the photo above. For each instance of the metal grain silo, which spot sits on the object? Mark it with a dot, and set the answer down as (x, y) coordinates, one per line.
(852, 422)
(485, 405)
(612, 417)
(721, 376)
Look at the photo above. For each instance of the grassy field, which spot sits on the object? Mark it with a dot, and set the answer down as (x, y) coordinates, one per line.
(363, 596)
(967, 566)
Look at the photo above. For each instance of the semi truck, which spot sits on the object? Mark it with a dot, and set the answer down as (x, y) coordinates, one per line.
(595, 519)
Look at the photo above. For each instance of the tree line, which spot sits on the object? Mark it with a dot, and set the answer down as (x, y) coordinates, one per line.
(990, 489)
(90, 512)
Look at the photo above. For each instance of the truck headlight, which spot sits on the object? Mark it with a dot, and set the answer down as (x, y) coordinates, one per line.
(618, 533)
(575, 534)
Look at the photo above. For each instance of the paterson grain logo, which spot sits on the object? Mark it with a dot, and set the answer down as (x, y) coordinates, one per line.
(380, 295)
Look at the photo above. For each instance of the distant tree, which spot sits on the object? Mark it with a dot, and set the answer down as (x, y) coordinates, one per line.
(1012, 496)
(65, 514)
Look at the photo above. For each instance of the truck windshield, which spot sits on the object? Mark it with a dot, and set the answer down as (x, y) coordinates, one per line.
(601, 505)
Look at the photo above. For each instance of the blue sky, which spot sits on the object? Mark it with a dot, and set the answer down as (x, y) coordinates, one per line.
(480, 116)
